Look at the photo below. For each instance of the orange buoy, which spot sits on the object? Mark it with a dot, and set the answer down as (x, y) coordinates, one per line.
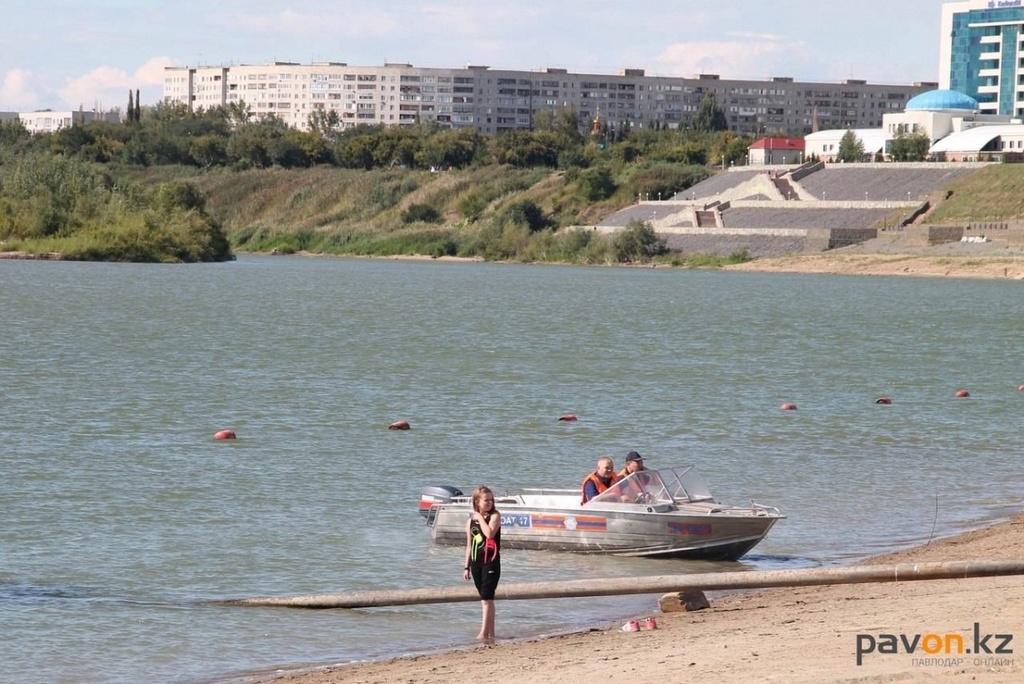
(788, 407)
(960, 394)
(225, 434)
(1020, 388)
(399, 425)
(883, 400)
(568, 417)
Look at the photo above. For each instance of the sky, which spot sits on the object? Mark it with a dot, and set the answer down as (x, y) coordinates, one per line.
(69, 54)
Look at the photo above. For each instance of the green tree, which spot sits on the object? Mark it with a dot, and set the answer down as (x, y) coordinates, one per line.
(709, 116)
(179, 195)
(130, 116)
(355, 152)
(423, 213)
(208, 150)
(662, 181)
(12, 132)
(325, 123)
(238, 113)
(449, 149)
(637, 242)
(909, 147)
(851, 148)
(728, 148)
(528, 149)
(596, 184)
(562, 120)
(525, 212)
(70, 139)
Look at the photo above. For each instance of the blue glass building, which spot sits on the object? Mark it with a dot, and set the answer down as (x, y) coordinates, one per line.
(981, 54)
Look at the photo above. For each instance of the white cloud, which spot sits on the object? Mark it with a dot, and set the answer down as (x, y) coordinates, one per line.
(96, 89)
(151, 73)
(752, 56)
(107, 87)
(15, 92)
(358, 24)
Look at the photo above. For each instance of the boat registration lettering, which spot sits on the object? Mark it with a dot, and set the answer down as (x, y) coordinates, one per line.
(689, 529)
(572, 523)
(521, 520)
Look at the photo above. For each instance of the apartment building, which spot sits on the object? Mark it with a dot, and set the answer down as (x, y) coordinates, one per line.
(981, 53)
(492, 100)
(49, 121)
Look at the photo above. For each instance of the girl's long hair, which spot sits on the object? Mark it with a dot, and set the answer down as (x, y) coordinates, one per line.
(478, 495)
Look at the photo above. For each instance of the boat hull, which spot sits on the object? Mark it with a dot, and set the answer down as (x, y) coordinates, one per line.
(700, 535)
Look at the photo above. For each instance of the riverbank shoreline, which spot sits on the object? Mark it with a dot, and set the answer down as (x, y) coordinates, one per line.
(1010, 267)
(955, 260)
(805, 634)
(890, 255)
(885, 256)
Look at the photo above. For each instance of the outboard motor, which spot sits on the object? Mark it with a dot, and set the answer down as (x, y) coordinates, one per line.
(436, 494)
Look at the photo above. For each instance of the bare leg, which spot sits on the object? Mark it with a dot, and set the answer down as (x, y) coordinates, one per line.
(482, 634)
(486, 621)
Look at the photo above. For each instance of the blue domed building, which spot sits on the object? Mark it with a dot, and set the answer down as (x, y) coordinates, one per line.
(956, 127)
(949, 101)
(953, 122)
(935, 112)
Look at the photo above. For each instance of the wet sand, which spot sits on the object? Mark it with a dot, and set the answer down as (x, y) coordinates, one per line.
(806, 634)
(791, 635)
(890, 256)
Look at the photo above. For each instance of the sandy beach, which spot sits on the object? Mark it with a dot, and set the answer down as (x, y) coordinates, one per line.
(791, 635)
(806, 634)
(890, 256)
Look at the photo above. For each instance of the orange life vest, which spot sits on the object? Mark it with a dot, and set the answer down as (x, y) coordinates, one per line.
(601, 486)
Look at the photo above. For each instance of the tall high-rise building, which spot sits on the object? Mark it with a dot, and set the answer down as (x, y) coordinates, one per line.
(982, 53)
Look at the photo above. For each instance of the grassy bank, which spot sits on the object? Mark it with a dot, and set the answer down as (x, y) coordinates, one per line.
(494, 212)
(995, 193)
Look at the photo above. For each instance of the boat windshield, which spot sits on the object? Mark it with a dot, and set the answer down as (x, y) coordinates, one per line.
(669, 486)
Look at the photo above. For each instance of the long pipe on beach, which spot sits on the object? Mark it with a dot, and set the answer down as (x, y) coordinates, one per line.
(906, 572)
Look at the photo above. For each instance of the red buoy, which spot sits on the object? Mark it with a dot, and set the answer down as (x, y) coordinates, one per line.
(883, 400)
(399, 425)
(568, 417)
(960, 394)
(788, 407)
(225, 434)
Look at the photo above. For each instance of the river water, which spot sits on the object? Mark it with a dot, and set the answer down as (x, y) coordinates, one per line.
(123, 519)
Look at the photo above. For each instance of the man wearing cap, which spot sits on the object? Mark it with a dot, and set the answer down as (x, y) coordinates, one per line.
(635, 491)
(634, 462)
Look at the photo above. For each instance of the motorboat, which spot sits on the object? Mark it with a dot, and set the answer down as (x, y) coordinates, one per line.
(664, 513)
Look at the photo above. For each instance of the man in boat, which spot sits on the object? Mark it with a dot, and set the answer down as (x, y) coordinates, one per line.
(634, 462)
(599, 480)
(634, 491)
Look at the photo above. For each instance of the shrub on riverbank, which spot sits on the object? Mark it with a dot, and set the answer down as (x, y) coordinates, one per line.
(53, 204)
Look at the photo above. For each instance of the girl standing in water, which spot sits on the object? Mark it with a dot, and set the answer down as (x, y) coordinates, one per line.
(483, 561)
